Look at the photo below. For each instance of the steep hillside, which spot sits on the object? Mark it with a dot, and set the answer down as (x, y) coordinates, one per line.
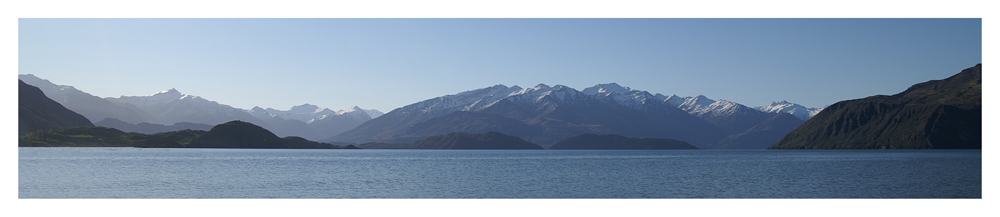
(36, 112)
(92, 107)
(935, 114)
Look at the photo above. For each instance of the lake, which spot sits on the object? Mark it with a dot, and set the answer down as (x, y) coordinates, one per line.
(270, 173)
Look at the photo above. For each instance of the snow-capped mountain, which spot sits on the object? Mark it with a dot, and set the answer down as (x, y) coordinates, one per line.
(558, 111)
(797, 110)
(310, 113)
(353, 113)
(340, 121)
(171, 106)
(311, 121)
(92, 107)
(545, 114)
(673, 99)
(305, 112)
(704, 107)
(634, 99)
(696, 105)
(465, 101)
(723, 108)
(750, 128)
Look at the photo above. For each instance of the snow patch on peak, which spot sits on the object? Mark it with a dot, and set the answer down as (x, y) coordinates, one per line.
(354, 113)
(675, 100)
(797, 110)
(160, 99)
(305, 112)
(170, 91)
(352, 109)
(694, 104)
(165, 96)
(464, 101)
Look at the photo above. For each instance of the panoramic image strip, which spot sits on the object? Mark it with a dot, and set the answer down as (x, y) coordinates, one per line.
(491, 108)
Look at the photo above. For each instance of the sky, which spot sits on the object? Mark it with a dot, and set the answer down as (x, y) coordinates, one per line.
(389, 63)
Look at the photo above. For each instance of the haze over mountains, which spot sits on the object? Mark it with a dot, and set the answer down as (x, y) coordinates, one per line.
(36, 112)
(92, 107)
(170, 107)
(543, 115)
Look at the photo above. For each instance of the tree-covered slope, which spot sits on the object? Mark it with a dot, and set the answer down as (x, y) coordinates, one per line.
(240, 134)
(37, 112)
(940, 114)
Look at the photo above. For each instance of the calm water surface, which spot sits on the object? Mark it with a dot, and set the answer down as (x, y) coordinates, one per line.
(249, 173)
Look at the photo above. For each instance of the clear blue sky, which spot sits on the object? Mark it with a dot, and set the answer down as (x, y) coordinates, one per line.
(389, 63)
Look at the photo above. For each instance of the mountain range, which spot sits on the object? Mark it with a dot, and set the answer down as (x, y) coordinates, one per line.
(170, 107)
(547, 114)
(92, 107)
(543, 115)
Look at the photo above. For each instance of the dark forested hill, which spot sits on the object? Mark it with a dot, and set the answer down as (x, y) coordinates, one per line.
(36, 112)
(941, 114)
(239, 134)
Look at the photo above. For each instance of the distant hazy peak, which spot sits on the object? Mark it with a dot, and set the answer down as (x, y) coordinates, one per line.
(541, 86)
(166, 95)
(374, 113)
(256, 109)
(305, 108)
(53, 91)
(352, 110)
(31, 78)
(606, 88)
